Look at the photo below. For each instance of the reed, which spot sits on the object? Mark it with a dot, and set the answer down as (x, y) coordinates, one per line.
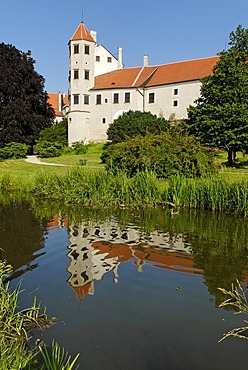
(215, 193)
(93, 188)
(15, 328)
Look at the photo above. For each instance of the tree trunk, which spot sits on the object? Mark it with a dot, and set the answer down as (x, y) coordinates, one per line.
(230, 157)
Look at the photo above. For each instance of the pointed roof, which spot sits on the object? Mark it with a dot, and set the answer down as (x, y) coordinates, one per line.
(82, 33)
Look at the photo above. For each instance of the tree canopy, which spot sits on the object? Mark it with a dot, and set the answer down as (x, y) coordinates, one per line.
(24, 107)
(133, 123)
(220, 116)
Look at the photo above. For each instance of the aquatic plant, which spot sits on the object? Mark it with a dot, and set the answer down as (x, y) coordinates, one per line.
(15, 327)
(215, 193)
(237, 300)
(93, 188)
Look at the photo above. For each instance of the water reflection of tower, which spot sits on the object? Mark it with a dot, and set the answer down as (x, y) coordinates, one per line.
(86, 264)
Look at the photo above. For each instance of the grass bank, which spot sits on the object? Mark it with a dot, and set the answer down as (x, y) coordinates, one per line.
(91, 185)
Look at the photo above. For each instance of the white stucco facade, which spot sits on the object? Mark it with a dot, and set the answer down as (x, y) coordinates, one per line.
(100, 89)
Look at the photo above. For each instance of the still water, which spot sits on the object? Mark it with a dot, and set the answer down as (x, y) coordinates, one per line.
(131, 289)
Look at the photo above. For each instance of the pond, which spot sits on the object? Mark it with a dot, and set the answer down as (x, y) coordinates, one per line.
(131, 289)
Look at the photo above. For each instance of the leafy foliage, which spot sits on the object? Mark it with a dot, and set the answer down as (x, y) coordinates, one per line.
(134, 123)
(56, 133)
(48, 149)
(24, 108)
(79, 147)
(165, 154)
(220, 117)
(14, 150)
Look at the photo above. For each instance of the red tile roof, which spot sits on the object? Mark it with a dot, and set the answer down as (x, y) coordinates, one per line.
(82, 33)
(183, 71)
(53, 100)
(117, 79)
(157, 75)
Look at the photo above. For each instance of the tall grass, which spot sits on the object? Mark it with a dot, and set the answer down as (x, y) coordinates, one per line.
(15, 328)
(214, 193)
(92, 188)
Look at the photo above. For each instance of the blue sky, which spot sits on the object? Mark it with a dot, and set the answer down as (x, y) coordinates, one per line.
(166, 30)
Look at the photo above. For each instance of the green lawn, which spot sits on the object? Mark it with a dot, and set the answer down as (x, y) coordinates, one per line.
(92, 157)
(24, 173)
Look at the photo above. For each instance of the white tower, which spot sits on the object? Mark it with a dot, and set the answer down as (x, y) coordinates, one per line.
(81, 80)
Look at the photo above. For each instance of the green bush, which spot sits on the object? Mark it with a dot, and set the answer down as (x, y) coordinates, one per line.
(46, 149)
(14, 150)
(165, 154)
(57, 133)
(134, 123)
(79, 147)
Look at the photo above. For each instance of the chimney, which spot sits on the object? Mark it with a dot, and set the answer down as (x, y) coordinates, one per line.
(93, 35)
(60, 100)
(145, 61)
(119, 50)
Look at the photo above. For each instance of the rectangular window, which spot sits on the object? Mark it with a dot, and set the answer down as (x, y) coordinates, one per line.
(116, 98)
(97, 58)
(127, 97)
(109, 60)
(86, 74)
(104, 120)
(86, 49)
(99, 99)
(151, 98)
(175, 103)
(76, 74)
(76, 49)
(175, 92)
(86, 99)
(76, 98)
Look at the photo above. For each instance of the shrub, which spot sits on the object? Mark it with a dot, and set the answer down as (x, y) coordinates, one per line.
(58, 133)
(79, 147)
(165, 154)
(14, 150)
(134, 123)
(47, 149)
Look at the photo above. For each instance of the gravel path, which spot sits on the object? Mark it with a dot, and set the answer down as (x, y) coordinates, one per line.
(35, 160)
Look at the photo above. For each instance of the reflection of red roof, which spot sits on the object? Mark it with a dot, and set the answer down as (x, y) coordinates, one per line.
(82, 290)
(159, 257)
(190, 70)
(56, 222)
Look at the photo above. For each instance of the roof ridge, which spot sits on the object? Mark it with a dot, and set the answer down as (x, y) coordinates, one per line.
(138, 75)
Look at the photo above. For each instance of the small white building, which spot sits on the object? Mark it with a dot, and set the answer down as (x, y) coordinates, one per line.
(101, 89)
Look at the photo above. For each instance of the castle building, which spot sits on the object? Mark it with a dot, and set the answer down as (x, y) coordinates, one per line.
(101, 89)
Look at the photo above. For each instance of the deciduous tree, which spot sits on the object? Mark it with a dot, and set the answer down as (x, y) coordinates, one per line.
(24, 107)
(133, 123)
(220, 116)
